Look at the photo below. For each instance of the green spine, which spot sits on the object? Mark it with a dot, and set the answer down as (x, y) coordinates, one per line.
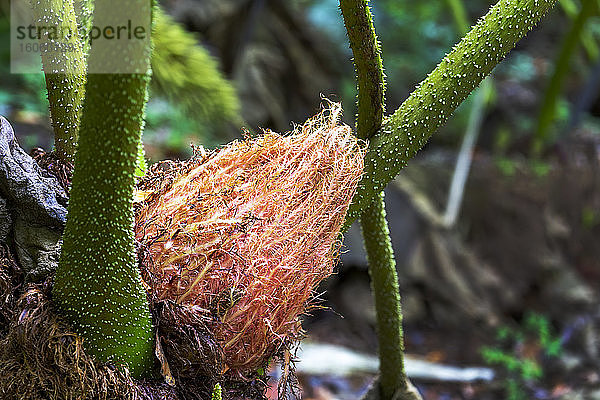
(98, 287)
(436, 98)
(64, 71)
(393, 382)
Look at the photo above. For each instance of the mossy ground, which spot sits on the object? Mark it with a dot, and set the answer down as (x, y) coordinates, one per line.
(42, 358)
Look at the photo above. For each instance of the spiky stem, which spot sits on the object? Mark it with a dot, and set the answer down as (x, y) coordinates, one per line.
(378, 245)
(561, 68)
(98, 287)
(64, 66)
(393, 383)
(432, 103)
(369, 68)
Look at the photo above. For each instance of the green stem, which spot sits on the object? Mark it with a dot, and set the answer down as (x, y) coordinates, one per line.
(64, 71)
(98, 287)
(382, 266)
(369, 68)
(432, 103)
(384, 283)
(561, 69)
(84, 10)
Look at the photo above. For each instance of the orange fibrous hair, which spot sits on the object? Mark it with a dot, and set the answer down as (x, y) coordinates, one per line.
(246, 233)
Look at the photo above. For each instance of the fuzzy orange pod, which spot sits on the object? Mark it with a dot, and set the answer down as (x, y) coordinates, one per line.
(246, 234)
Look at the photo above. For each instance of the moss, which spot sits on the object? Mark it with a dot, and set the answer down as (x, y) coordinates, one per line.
(98, 286)
(187, 75)
(216, 394)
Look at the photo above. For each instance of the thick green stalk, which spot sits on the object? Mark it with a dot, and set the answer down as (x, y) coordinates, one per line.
(64, 70)
(98, 287)
(393, 383)
(561, 69)
(382, 266)
(84, 10)
(436, 98)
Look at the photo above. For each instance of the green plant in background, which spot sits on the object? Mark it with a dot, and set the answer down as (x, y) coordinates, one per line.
(590, 217)
(561, 68)
(518, 352)
(418, 34)
(189, 77)
(25, 92)
(98, 287)
(587, 38)
(32, 97)
(167, 124)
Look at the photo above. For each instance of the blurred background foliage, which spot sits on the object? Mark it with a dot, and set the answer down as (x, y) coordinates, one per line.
(267, 63)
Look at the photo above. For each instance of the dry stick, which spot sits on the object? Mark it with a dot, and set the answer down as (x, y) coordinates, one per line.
(465, 155)
(436, 98)
(382, 265)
